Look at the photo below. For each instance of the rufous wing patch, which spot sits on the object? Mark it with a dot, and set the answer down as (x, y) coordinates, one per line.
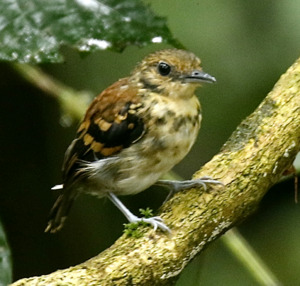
(112, 122)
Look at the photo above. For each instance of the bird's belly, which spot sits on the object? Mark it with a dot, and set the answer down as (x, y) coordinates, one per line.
(141, 165)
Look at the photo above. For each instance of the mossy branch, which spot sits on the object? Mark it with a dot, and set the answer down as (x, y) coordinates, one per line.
(251, 161)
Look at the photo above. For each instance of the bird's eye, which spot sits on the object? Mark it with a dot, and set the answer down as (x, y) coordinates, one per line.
(164, 69)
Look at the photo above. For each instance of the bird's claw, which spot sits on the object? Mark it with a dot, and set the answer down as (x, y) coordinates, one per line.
(156, 222)
(177, 186)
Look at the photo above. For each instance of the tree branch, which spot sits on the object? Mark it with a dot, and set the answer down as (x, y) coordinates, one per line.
(73, 103)
(251, 161)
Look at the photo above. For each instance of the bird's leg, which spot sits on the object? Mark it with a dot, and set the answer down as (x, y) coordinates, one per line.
(155, 221)
(177, 186)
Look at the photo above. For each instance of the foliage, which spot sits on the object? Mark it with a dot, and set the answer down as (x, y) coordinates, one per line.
(33, 31)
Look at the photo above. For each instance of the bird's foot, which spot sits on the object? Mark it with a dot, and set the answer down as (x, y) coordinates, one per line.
(177, 186)
(155, 221)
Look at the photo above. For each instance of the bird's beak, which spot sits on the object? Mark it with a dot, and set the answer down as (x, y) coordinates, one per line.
(198, 76)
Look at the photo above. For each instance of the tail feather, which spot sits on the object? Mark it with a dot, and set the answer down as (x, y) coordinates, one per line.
(59, 212)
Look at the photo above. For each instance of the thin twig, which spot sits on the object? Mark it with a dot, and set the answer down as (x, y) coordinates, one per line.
(73, 103)
(241, 249)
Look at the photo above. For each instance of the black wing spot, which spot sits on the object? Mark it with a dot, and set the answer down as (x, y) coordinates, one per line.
(120, 133)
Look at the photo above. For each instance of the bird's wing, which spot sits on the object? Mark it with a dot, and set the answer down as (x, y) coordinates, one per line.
(110, 124)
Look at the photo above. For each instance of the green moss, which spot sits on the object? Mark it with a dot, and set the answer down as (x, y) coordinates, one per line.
(147, 213)
(133, 229)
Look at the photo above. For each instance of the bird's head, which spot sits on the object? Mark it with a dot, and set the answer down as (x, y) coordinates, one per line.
(174, 73)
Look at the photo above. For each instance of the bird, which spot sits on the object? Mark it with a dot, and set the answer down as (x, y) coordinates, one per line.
(133, 132)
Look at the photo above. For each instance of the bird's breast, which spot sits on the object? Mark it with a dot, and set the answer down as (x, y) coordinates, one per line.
(171, 130)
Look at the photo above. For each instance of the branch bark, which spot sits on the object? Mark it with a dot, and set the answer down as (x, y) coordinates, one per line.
(254, 158)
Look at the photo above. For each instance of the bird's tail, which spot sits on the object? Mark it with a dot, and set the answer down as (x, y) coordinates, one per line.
(59, 211)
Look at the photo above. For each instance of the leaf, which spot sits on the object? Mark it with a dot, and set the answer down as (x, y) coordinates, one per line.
(5, 260)
(32, 31)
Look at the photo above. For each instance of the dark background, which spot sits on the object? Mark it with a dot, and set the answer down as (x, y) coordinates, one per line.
(246, 45)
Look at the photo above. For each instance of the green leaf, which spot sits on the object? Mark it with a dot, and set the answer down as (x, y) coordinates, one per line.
(5, 260)
(33, 31)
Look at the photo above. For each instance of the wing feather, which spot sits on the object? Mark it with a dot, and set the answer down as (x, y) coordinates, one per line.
(111, 124)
